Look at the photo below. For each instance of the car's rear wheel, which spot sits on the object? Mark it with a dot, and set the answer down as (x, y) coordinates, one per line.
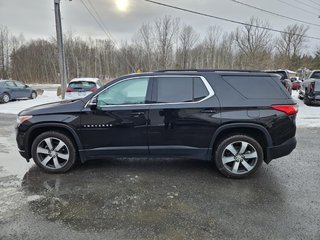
(238, 156)
(54, 152)
(5, 98)
(33, 95)
(306, 100)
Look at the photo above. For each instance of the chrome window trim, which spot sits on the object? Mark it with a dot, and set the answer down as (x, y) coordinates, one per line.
(204, 80)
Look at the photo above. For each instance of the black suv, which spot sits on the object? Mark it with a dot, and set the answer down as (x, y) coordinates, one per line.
(238, 119)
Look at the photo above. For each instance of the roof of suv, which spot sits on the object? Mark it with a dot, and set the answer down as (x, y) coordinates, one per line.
(205, 70)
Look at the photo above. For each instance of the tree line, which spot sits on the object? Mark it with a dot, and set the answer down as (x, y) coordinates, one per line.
(165, 43)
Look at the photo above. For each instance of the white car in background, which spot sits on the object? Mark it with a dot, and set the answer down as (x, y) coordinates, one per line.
(82, 87)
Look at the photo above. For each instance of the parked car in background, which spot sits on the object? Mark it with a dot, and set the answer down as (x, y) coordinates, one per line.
(237, 119)
(310, 89)
(296, 83)
(284, 78)
(82, 87)
(12, 90)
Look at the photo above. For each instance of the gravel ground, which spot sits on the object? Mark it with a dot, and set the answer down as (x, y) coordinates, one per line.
(160, 198)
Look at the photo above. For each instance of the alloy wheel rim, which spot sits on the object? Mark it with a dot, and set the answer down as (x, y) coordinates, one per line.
(6, 98)
(239, 157)
(33, 95)
(53, 153)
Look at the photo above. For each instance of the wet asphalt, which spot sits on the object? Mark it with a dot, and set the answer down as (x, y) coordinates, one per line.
(160, 198)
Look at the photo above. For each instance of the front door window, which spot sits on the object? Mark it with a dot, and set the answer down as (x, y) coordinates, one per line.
(133, 91)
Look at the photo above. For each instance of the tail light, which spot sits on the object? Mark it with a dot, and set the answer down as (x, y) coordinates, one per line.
(312, 87)
(287, 109)
(69, 90)
(93, 89)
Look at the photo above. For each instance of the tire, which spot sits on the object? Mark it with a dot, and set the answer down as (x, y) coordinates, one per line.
(54, 152)
(33, 95)
(5, 98)
(306, 100)
(238, 156)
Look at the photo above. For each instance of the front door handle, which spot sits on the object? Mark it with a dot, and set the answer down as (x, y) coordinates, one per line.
(208, 111)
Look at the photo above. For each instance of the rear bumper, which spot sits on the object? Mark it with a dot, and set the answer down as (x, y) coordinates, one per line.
(281, 150)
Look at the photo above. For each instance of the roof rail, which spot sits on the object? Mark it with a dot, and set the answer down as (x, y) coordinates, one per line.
(206, 70)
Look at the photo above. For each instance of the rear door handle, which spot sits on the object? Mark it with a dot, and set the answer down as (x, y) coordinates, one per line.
(137, 114)
(208, 111)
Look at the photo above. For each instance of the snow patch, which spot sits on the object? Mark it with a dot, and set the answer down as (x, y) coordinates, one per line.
(14, 107)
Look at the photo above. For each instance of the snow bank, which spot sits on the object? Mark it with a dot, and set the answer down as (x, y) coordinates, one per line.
(15, 107)
(307, 117)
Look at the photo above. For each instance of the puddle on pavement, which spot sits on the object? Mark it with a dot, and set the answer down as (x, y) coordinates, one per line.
(124, 194)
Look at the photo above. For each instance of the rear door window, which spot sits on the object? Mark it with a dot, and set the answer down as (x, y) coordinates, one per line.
(180, 89)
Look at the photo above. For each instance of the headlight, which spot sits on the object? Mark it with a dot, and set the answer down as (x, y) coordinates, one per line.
(21, 119)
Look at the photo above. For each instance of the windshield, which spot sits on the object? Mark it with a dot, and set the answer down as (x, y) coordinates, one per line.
(315, 75)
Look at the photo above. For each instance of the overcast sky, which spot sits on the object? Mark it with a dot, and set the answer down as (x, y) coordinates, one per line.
(35, 18)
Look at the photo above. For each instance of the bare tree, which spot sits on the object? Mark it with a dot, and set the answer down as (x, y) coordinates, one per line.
(145, 40)
(253, 44)
(290, 44)
(211, 44)
(188, 38)
(4, 52)
(165, 32)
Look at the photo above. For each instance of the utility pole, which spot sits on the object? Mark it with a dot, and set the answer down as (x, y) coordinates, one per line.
(62, 60)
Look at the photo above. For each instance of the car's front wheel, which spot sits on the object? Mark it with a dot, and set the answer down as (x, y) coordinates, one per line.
(54, 152)
(5, 98)
(238, 156)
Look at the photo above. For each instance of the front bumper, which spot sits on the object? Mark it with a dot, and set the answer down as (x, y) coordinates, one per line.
(281, 150)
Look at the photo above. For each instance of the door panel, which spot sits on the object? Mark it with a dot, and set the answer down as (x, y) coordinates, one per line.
(12, 88)
(22, 90)
(115, 131)
(119, 124)
(184, 128)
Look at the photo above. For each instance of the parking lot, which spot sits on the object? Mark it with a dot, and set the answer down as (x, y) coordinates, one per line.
(159, 198)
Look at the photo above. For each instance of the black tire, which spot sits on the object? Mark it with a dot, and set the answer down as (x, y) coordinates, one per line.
(51, 159)
(33, 95)
(5, 98)
(306, 100)
(238, 164)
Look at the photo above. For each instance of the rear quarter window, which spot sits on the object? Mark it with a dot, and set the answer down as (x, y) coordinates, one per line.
(255, 87)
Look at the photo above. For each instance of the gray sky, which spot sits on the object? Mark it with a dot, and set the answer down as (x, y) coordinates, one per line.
(35, 18)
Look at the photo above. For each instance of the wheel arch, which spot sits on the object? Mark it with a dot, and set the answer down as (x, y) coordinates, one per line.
(256, 131)
(8, 93)
(36, 130)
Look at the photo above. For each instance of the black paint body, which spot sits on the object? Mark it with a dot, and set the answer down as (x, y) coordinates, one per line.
(171, 130)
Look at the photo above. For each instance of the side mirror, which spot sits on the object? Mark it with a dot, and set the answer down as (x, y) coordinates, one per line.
(93, 103)
(26, 86)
